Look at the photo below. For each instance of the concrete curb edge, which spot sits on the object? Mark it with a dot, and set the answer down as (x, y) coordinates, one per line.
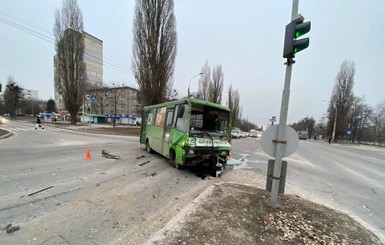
(172, 224)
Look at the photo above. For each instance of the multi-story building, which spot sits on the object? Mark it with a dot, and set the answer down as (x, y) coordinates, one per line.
(116, 101)
(93, 59)
(110, 102)
(30, 94)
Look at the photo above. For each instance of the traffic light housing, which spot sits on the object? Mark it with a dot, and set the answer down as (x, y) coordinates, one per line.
(294, 30)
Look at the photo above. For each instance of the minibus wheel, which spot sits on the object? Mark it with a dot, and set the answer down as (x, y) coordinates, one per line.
(173, 162)
(148, 148)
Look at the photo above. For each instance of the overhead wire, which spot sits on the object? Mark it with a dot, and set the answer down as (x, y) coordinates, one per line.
(22, 25)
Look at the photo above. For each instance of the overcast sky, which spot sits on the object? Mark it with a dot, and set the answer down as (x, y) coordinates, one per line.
(244, 36)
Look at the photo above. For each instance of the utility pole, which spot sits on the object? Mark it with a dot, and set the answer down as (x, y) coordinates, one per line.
(334, 124)
(189, 84)
(294, 29)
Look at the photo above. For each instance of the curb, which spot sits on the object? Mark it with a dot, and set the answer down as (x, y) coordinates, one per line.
(9, 134)
(172, 225)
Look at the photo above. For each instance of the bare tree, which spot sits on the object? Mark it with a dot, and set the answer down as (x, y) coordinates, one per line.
(216, 86)
(234, 105)
(2, 107)
(358, 118)
(154, 49)
(378, 120)
(239, 116)
(204, 82)
(114, 96)
(70, 74)
(342, 98)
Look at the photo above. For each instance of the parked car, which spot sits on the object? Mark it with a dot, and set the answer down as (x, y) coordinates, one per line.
(236, 133)
(243, 135)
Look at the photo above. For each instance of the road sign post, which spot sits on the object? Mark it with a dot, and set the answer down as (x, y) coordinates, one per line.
(273, 119)
(281, 139)
(269, 181)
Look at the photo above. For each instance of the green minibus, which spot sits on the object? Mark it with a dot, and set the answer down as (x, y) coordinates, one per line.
(188, 132)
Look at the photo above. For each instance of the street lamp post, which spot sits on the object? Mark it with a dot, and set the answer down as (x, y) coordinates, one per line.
(334, 125)
(188, 91)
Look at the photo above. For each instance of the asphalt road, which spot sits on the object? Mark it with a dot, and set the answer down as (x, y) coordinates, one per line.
(33, 160)
(94, 201)
(348, 177)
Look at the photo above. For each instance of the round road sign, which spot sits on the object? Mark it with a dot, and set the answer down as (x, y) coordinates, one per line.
(290, 136)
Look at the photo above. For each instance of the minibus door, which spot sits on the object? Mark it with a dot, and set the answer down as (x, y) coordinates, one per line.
(167, 131)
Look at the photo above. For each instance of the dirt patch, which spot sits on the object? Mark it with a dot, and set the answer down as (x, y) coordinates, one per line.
(240, 214)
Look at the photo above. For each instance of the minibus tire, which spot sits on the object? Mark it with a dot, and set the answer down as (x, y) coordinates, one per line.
(173, 162)
(148, 148)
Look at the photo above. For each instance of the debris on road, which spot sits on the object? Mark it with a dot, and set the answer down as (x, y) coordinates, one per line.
(13, 229)
(147, 175)
(4, 227)
(234, 162)
(143, 163)
(9, 228)
(107, 154)
(100, 173)
(140, 156)
(33, 193)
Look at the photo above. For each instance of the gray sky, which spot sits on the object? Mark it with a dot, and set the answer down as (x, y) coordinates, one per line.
(245, 36)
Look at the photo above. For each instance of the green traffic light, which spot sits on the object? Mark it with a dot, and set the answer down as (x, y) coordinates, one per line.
(300, 44)
(293, 31)
(302, 29)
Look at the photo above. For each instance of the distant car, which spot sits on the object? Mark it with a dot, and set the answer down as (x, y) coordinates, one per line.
(235, 133)
(2, 120)
(253, 133)
(259, 134)
(243, 135)
(303, 134)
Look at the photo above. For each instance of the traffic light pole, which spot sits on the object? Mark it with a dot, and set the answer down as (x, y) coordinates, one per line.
(281, 134)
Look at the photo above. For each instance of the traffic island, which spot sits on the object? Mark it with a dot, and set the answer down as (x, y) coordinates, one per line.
(240, 214)
(5, 133)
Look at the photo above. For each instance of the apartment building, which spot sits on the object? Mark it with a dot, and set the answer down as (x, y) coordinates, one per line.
(93, 59)
(119, 101)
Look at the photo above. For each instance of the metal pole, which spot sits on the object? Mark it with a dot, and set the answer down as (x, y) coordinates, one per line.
(248, 124)
(189, 84)
(90, 112)
(281, 134)
(334, 125)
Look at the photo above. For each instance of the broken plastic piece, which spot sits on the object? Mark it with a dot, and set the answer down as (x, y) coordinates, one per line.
(13, 229)
(107, 154)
